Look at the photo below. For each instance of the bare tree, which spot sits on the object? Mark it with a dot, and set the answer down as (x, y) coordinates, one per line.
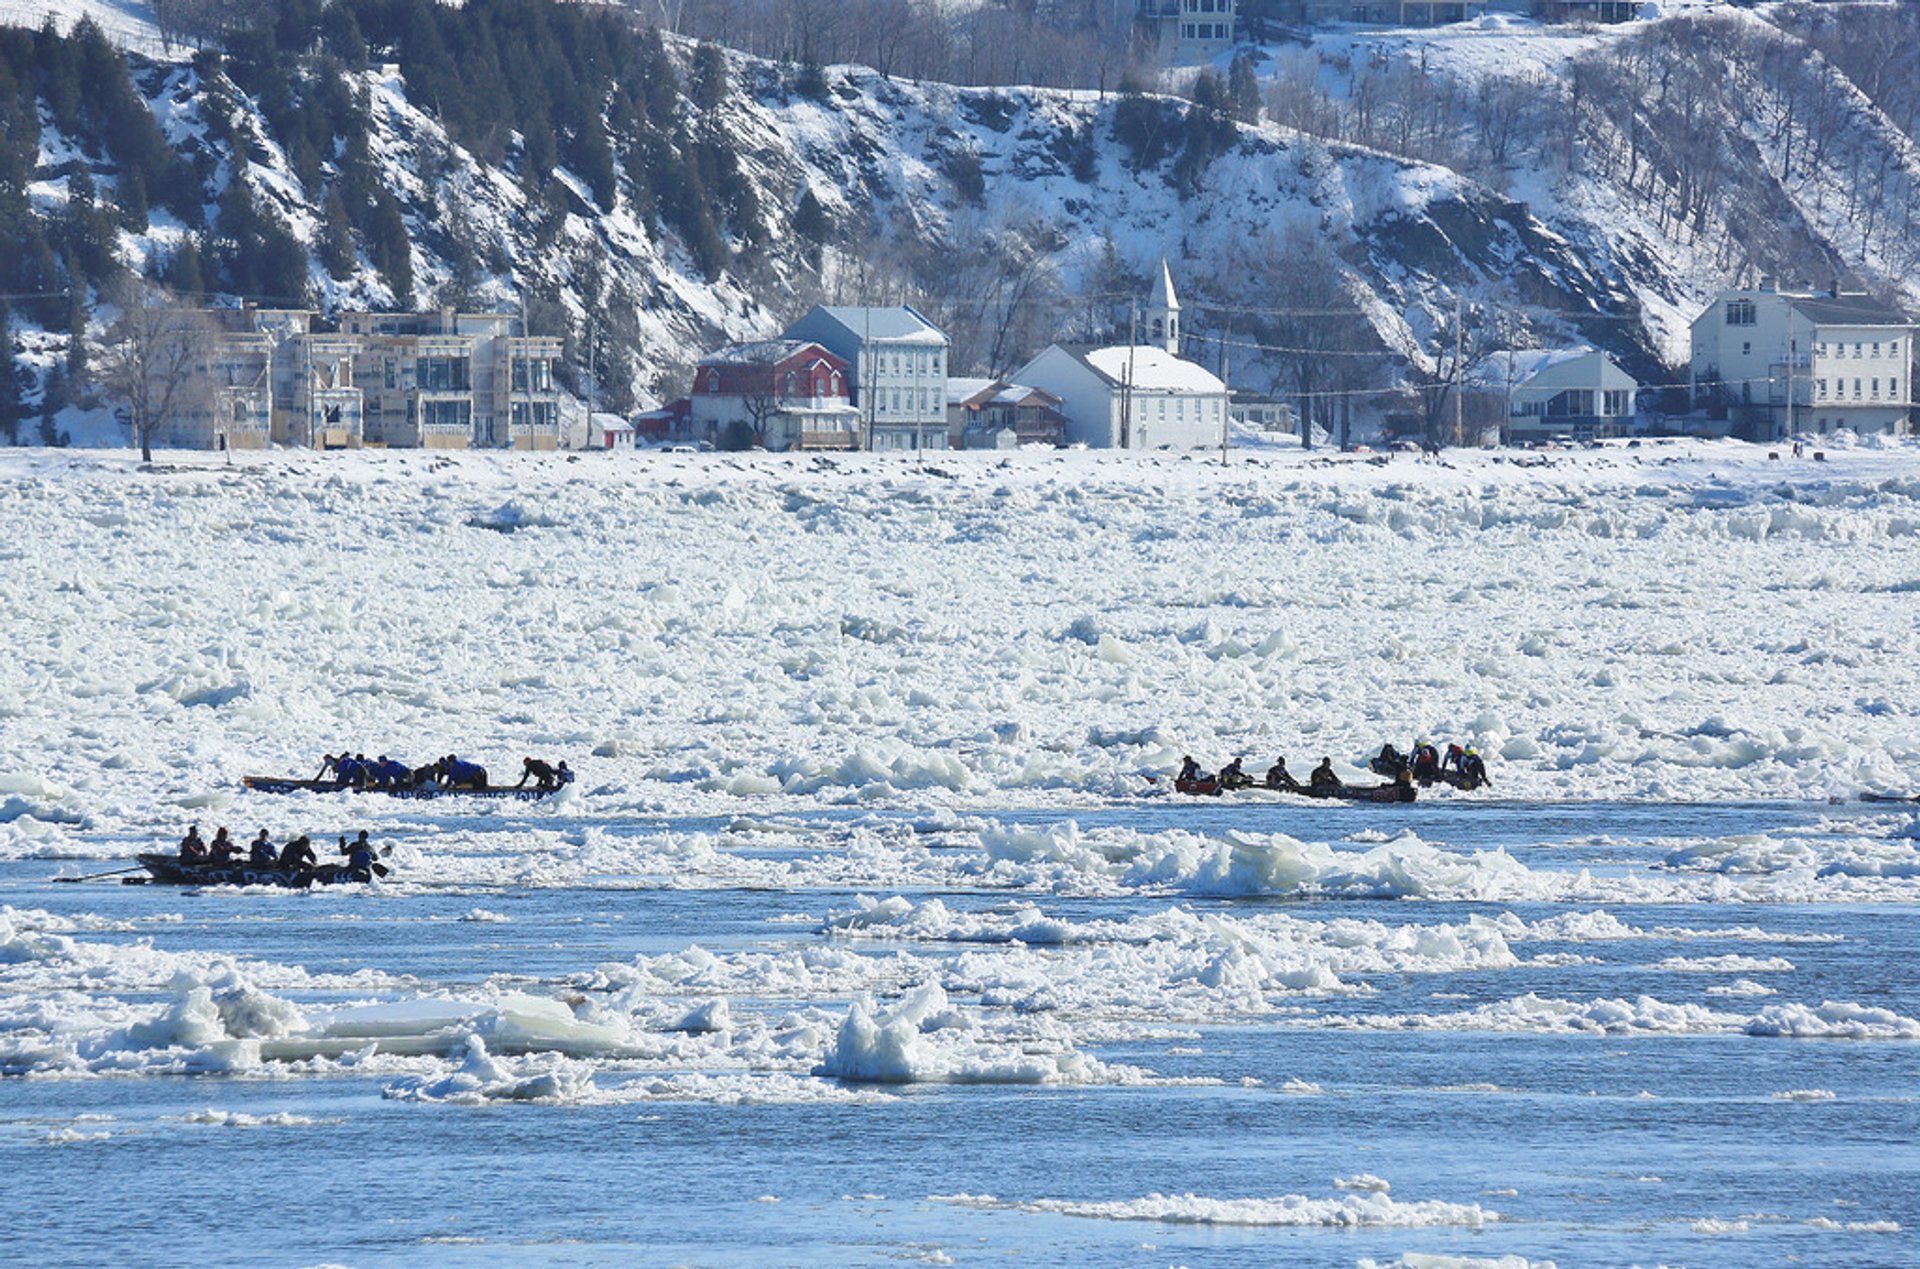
(156, 359)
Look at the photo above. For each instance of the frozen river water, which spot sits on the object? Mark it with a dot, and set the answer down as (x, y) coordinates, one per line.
(1687, 1071)
(861, 937)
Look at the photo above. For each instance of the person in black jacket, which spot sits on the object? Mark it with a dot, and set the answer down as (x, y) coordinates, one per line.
(298, 854)
(260, 853)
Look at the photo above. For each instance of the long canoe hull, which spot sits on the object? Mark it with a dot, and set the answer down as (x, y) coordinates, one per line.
(167, 870)
(277, 784)
(1331, 792)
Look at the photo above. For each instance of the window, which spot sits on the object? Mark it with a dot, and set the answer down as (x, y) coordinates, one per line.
(532, 375)
(896, 400)
(1616, 401)
(1893, 389)
(441, 374)
(1874, 385)
(1820, 348)
(1746, 350)
(542, 415)
(1856, 389)
(713, 381)
(1876, 348)
(446, 415)
(1821, 389)
(1740, 313)
(1856, 348)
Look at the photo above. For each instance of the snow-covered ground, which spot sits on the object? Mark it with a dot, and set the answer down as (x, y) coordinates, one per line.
(1680, 621)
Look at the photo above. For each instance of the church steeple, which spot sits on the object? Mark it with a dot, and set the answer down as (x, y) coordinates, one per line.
(1163, 313)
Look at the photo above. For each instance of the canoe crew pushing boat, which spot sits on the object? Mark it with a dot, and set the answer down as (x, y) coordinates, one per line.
(547, 776)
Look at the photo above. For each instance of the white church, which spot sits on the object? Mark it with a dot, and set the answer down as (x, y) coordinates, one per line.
(1135, 396)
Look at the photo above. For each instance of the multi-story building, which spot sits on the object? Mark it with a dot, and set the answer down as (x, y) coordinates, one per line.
(778, 393)
(1187, 32)
(897, 367)
(263, 376)
(1767, 363)
(456, 381)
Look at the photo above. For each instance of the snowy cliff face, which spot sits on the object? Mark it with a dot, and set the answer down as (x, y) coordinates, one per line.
(902, 181)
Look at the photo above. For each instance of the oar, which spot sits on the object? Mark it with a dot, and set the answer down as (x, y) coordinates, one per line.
(97, 875)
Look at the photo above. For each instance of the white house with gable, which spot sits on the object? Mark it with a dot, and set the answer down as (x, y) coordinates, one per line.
(1135, 396)
(1547, 393)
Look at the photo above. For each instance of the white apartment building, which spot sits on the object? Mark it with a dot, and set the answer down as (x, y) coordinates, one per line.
(1804, 361)
(1188, 32)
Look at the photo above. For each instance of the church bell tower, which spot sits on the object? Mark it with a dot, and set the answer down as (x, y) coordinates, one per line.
(1163, 313)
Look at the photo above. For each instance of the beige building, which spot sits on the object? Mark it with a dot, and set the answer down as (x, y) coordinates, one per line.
(264, 377)
(456, 381)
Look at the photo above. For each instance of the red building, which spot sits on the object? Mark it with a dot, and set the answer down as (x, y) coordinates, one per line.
(777, 393)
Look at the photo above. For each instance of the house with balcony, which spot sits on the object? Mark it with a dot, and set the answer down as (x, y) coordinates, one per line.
(1000, 414)
(1534, 395)
(1186, 32)
(1767, 363)
(781, 394)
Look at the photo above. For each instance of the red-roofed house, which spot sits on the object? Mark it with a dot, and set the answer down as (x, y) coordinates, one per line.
(780, 393)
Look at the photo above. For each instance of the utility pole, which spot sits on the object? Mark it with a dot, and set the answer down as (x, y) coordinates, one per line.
(593, 373)
(1459, 402)
(1226, 406)
(1790, 343)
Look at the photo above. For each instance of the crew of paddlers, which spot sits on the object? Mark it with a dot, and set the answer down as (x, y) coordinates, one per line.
(295, 858)
(357, 771)
(1461, 766)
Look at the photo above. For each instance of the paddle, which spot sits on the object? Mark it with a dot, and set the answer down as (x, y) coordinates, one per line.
(97, 875)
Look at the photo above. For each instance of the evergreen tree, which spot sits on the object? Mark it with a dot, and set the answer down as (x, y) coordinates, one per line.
(183, 273)
(132, 198)
(79, 316)
(340, 32)
(54, 398)
(811, 223)
(336, 236)
(709, 80)
(1243, 90)
(392, 248)
(12, 408)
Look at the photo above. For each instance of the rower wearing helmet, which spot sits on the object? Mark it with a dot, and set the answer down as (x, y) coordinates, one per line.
(1473, 769)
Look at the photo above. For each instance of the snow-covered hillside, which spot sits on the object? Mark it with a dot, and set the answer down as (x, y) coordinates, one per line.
(911, 175)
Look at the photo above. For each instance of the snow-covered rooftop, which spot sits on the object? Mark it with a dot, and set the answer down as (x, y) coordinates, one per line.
(1150, 368)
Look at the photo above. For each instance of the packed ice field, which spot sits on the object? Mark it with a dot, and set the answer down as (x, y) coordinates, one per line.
(872, 834)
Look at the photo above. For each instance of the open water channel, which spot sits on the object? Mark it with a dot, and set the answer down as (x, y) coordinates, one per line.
(1233, 1033)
